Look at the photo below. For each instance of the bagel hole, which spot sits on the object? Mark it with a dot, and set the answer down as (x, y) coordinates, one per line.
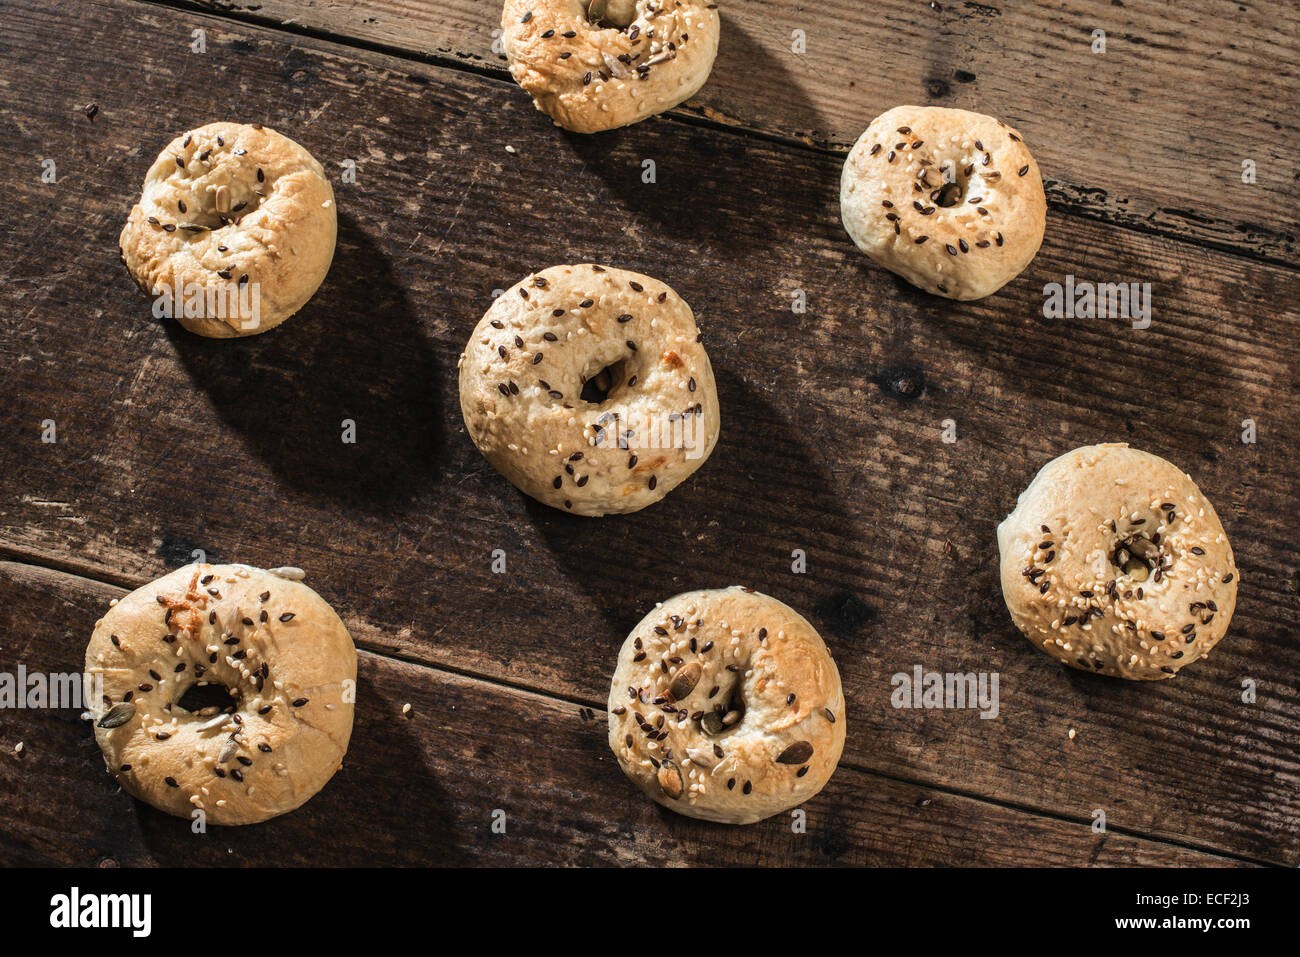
(952, 191)
(198, 697)
(949, 195)
(599, 387)
(725, 716)
(612, 14)
(214, 209)
(1137, 556)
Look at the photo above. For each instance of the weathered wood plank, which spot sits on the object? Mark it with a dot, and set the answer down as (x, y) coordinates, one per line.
(423, 788)
(169, 443)
(1151, 133)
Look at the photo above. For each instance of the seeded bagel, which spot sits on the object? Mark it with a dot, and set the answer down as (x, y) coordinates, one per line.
(1114, 562)
(273, 643)
(595, 65)
(232, 216)
(948, 199)
(588, 388)
(726, 706)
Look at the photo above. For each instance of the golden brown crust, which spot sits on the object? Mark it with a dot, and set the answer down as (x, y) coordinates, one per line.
(522, 379)
(963, 241)
(590, 78)
(1085, 512)
(273, 641)
(725, 705)
(232, 216)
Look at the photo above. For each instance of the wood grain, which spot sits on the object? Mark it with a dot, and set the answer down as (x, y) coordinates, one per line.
(169, 443)
(423, 788)
(1150, 134)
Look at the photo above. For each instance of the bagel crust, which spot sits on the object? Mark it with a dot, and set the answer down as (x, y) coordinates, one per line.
(1114, 562)
(274, 642)
(644, 58)
(965, 240)
(526, 369)
(726, 706)
(229, 214)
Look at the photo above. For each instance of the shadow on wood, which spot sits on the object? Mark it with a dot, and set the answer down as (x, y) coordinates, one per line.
(355, 352)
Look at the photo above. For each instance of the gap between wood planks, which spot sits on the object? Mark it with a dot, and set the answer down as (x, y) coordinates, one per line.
(483, 70)
(103, 577)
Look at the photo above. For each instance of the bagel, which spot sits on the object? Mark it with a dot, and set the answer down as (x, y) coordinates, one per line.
(1114, 562)
(594, 65)
(588, 388)
(948, 199)
(235, 230)
(276, 647)
(726, 706)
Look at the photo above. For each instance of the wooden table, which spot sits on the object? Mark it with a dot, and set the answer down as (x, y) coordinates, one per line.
(832, 421)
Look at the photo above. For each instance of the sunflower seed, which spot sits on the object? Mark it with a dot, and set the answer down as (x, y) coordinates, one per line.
(289, 572)
(660, 58)
(616, 68)
(1144, 549)
(214, 723)
(704, 757)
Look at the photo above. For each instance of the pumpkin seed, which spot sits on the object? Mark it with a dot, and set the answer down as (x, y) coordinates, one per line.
(596, 10)
(712, 723)
(670, 780)
(117, 715)
(684, 681)
(797, 753)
